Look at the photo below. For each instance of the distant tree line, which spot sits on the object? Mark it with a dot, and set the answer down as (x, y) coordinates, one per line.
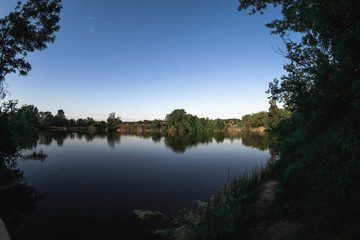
(177, 120)
(20, 124)
(36, 118)
(269, 120)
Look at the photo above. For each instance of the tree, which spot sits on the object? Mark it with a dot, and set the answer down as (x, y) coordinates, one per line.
(80, 122)
(46, 118)
(274, 114)
(190, 122)
(247, 121)
(319, 144)
(90, 121)
(72, 122)
(16, 129)
(203, 124)
(219, 124)
(32, 114)
(176, 119)
(113, 121)
(260, 119)
(61, 113)
(100, 124)
(323, 69)
(60, 119)
(31, 26)
(156, 124)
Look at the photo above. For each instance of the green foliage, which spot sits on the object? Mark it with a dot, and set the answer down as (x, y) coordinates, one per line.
(260, 119)
(176, 119)
(227, 214)
(179, 120)
(100, 124)
(32, 114)
(219, 124)
(17, 130)
(156, 124)
(320, 176)
(274, 114)
(322, 70)
(246, 121)
(113, 122)
(86, 122)
(71, 122)
(268, 120)
(60, 120)
(319, 144)
(31, 26)
(45, 119)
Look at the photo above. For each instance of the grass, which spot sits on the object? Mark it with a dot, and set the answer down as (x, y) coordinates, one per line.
(317, 190)
(226, 215)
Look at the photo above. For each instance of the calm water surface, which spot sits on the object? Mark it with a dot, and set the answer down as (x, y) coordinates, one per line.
(89, 185)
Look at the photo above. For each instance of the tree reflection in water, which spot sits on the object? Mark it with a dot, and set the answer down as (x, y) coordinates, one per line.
(178, 142)
(17, 198)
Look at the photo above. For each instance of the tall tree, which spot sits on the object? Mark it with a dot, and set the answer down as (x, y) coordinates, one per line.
(31, 26)
(176, 119)
(319, 144)
(113, 121)
(32, 114)
(46, 118)
(323, 68)
(61, 113)
(274, 114)
(60, 119)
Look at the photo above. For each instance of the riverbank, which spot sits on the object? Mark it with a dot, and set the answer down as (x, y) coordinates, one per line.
(139, 130)
(105, 165)
(257, 129)
(242, 209)
(314, 184)
(90, 129)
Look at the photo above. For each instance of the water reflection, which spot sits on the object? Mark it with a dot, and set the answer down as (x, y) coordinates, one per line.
(47, 137)
(113, 139)
(17, 198)
(76, 174)
(178, 142)
(259, 140)
(35, 156)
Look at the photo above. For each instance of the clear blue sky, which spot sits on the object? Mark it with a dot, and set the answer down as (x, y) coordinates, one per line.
(142, 59)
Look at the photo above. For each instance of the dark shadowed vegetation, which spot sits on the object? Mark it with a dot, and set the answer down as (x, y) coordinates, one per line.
(29, 27)
(319, 152)
(317, 149)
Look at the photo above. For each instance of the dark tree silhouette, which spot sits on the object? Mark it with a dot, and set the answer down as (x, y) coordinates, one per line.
(31, 26)
(319, 144)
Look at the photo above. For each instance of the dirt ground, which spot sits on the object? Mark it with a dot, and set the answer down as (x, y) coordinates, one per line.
(268, 229)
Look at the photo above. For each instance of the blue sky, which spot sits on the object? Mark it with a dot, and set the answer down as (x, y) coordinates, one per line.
(142, 59)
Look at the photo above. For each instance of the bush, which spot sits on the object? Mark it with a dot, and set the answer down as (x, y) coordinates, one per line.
(320, 178)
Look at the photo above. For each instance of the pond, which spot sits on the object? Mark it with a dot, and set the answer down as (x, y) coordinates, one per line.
(87, 186)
